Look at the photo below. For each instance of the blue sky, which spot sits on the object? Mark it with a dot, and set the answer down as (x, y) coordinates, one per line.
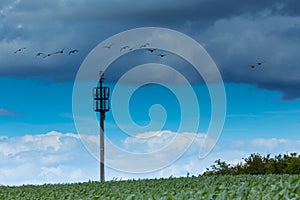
(39, 142)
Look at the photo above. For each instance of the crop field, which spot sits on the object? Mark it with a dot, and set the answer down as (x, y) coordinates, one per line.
(202, 187)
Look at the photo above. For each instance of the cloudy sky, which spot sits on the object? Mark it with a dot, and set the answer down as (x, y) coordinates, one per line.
(39, 141)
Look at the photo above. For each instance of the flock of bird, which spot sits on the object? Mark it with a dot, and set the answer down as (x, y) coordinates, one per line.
(257, 64)
(162, 55)
(45, 55)
(143, 46)
(123, 48)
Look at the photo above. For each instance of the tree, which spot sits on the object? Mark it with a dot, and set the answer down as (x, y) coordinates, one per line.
(257, 164)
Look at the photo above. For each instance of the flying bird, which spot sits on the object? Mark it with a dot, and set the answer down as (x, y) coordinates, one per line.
(48, 55)
(61, 51)
(107, 46)
(162, 55)
(20, 50)
(260, 63)
(73, 51)
(57, 52)
(145, 45)
(39, 54)
(126, 47)
(151, 50)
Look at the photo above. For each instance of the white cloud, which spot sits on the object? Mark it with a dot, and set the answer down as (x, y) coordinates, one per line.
(44, 158)
(51, 171)
(51, 141)
(161, 149)
(57, 157)
(7, 113)
(3, 137)
(273, 142)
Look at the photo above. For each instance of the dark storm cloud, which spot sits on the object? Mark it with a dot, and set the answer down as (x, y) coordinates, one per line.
(236, 34)
(290, 90)
(237, 43)
(290, 7)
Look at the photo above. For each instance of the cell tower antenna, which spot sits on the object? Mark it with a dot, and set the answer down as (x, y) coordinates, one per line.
(101, 105)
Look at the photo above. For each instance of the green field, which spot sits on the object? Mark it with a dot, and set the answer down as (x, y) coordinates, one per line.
(202, 187)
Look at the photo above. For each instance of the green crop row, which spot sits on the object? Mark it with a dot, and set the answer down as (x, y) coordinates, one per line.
(202, 187)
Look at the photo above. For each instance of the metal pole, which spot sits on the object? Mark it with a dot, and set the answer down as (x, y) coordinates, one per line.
(102, 117)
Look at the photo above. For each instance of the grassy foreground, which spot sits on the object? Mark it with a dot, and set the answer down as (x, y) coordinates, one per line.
(202, 187)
